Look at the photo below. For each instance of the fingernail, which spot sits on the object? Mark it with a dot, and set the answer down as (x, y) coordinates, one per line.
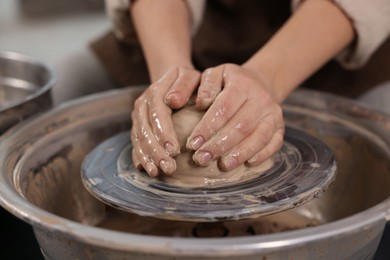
(171, 98)
(151, 169)
(170, 149)
(203, 103)
(166, 166)
(196, 143)
(202, 158)
(230, 162)
(252, 161)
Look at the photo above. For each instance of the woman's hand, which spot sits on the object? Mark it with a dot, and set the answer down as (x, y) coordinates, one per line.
(243, 122)
(153, 137)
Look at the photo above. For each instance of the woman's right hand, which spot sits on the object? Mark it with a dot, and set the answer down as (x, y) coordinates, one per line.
(152, 135)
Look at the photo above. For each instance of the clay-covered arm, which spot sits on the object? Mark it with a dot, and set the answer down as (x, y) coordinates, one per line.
(163, 28)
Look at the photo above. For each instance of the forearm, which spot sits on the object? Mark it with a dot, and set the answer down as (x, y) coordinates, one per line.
(312, 36)
(163, 28)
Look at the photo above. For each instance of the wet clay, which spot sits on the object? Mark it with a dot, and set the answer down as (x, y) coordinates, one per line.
(188, 174)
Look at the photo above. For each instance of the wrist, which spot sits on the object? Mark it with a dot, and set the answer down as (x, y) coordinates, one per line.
(163, 29)
(266, 67)
(162, 68)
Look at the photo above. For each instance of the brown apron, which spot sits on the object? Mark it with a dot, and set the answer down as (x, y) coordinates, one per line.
(232, 31)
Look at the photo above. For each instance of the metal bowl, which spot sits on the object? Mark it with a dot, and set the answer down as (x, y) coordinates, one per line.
(40, 183)
(25, 86)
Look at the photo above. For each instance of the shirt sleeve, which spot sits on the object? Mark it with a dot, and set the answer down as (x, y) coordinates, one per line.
(119, 14)
(371, 21)
(196, 8)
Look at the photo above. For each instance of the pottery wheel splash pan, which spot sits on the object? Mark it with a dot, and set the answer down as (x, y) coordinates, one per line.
(302, 170)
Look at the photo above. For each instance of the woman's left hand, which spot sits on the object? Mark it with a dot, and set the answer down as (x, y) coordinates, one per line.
(243, 122)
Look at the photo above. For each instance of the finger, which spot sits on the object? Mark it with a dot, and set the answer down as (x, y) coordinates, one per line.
(272, 147)
(160, 115)
(210, 86)
(232, 134)
(150, 146)
(182, 88)
(162, 126)
(134, 155)
(220, 112)
(142, 161)
(146, 147)
(264, 137)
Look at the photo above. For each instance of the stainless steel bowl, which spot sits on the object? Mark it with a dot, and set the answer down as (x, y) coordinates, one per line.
(40, 183)
(25, 86)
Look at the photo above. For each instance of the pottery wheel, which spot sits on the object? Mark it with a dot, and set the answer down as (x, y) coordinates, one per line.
(302, 170)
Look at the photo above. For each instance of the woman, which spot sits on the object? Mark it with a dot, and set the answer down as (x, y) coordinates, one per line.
(241, 59)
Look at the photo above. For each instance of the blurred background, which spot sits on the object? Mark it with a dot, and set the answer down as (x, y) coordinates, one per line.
(48, 30)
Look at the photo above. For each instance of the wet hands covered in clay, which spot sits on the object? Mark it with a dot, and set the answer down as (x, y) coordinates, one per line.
(243, 123)
(153, 137)
(187, 174)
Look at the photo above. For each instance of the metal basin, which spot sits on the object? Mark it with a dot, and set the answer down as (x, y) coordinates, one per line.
(25, 86)
(40, 183)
